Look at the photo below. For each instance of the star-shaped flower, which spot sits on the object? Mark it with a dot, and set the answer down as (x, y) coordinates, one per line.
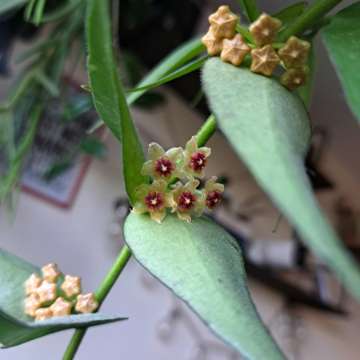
(86, 303)
(61, 307)
(161, 164)
(31, 304)
(223, 22)
(295, 52)
(152, 199)
(213, 193)
(32, 283)
(212, 43)
(234, 50)
(294, 77)
(46, 292)
(43, 314)
(195, 158)
(187, 200)
(50, 272)
(264, 29)
(264, 60)
(71, 285)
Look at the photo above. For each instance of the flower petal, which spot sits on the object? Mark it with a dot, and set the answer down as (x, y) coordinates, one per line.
(155, 151)
(205, 150)
(158, 216)
(191, 145)
(175, 155)
(148, 168)
(184, 216)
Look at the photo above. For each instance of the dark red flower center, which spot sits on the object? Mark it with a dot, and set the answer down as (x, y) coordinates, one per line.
(213, 198)
(186, 201)
(154, 200)
(164, 167)
(198, 161)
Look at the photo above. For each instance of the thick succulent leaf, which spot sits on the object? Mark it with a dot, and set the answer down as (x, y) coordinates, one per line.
(108, 93)
(17, 328)
(6, 5)
(269, 129)
(342, 40)
(202, 264)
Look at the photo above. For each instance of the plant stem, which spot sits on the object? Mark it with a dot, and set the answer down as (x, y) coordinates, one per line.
(101, 294)
(206, 131)
(309, 17)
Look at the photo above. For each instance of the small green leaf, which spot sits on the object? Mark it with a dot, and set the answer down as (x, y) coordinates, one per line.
(108, 93)
(290, 13)
(269, 129)
(6, 5)
(250, 9)
(203, 265)
(15, 327)
(342, 40)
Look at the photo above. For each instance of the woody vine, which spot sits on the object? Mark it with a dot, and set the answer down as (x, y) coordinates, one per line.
(257, 77)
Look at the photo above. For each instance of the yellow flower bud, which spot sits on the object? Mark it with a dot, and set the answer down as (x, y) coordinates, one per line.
(264, 29)
(31, 304)
(61, 307)
(32, 283)
(295, 52)
(71, 285)
(223, 22)
(86, 303)
(43, 314)
(50, 272)
(46, 292)
(234, 50)
(264, 60)
(295, 77)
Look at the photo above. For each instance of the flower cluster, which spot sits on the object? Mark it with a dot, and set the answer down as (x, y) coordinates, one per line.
(184, 197)
(53, 295)
(221, 39)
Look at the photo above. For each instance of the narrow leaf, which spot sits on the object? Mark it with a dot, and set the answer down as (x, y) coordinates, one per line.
(342, 40)
(269, 129)
(203, 265)
(291, 12)
(173, 61)
(108, 93)
(15, 327)
(184, 70)
(250, 9)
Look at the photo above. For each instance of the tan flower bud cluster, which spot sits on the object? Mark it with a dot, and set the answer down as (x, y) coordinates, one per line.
(221, 40)
(184, 198)
(52, 295)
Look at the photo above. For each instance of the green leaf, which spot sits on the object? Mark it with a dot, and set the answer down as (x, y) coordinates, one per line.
(108, 93)
(342, 40)
(203, 265)
(290, 13)
(170, 63)
(269, 129)
(6, 5)
(250, 9)
(184, 70)
(15, 327)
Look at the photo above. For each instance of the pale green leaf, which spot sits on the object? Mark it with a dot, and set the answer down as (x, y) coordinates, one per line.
(342, 40)
(203, 265)
(17, 328)
(269, 129)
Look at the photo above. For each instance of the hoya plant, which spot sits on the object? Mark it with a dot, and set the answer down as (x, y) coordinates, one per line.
(257, 74)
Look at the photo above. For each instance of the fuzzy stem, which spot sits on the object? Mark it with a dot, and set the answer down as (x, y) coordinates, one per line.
(101, 294)
(309, 17)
